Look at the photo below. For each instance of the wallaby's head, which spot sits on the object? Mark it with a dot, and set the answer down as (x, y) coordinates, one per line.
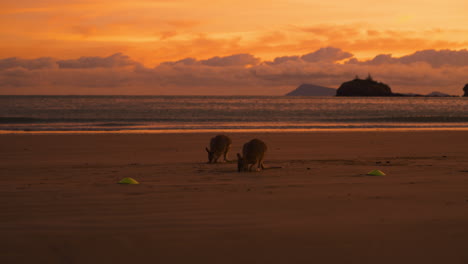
(241, 163)
(210, 155)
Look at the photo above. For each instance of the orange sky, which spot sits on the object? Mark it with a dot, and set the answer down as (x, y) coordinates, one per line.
(114, 46)
(152, 31)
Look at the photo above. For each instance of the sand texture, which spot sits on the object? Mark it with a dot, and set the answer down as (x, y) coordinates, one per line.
(60, 201)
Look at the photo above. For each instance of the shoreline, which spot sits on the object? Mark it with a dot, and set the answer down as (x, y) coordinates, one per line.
(234, 131)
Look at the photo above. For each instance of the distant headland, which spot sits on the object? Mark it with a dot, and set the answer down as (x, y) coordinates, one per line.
(312, 90)
(360, 87)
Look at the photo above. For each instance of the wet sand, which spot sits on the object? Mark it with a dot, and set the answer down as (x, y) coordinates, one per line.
(61, 204)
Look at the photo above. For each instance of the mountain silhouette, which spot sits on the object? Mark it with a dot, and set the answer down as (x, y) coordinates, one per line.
(306, 89)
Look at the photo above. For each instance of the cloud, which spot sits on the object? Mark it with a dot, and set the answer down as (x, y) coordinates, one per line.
(233, 60)
(435, 58)
(186, 61)
(236, 60)
(234, 74)
(113, 61)
(328, 54)
(364, 39)
(283, 59)
(322, 55)
(30, 64)
(116, 60)
(17, 77)
(191, 45)
(401, 43)
(438, 58)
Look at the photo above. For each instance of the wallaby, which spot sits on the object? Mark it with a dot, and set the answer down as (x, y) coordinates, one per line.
(219, 145)
(253, 153)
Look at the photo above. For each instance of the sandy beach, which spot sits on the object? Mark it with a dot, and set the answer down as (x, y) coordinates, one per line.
(61, 202)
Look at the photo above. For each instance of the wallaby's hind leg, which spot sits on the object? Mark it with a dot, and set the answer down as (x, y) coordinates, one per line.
(257, 165)
(260, 165)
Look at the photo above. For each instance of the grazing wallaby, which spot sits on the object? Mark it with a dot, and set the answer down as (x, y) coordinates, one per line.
(219, 145)
(253, 153)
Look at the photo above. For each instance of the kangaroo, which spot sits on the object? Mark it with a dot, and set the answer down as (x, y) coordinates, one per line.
(219, 145)
(253, 153)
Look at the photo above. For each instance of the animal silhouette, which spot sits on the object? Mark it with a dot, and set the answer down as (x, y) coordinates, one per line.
(219, 145)
(253, 153)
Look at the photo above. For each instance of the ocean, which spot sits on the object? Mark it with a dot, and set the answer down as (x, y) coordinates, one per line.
(175, 114)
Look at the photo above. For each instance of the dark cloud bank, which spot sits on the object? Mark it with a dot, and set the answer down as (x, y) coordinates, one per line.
(421, 72)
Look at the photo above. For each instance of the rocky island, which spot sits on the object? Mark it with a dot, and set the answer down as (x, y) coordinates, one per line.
(367, 87)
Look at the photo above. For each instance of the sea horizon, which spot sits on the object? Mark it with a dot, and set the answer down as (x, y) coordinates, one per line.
(191, 114)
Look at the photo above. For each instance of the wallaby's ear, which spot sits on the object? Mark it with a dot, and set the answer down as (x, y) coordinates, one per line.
(207, 150)
(239, 156)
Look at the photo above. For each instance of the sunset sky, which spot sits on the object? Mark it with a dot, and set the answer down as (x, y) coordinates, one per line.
(141, 47)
